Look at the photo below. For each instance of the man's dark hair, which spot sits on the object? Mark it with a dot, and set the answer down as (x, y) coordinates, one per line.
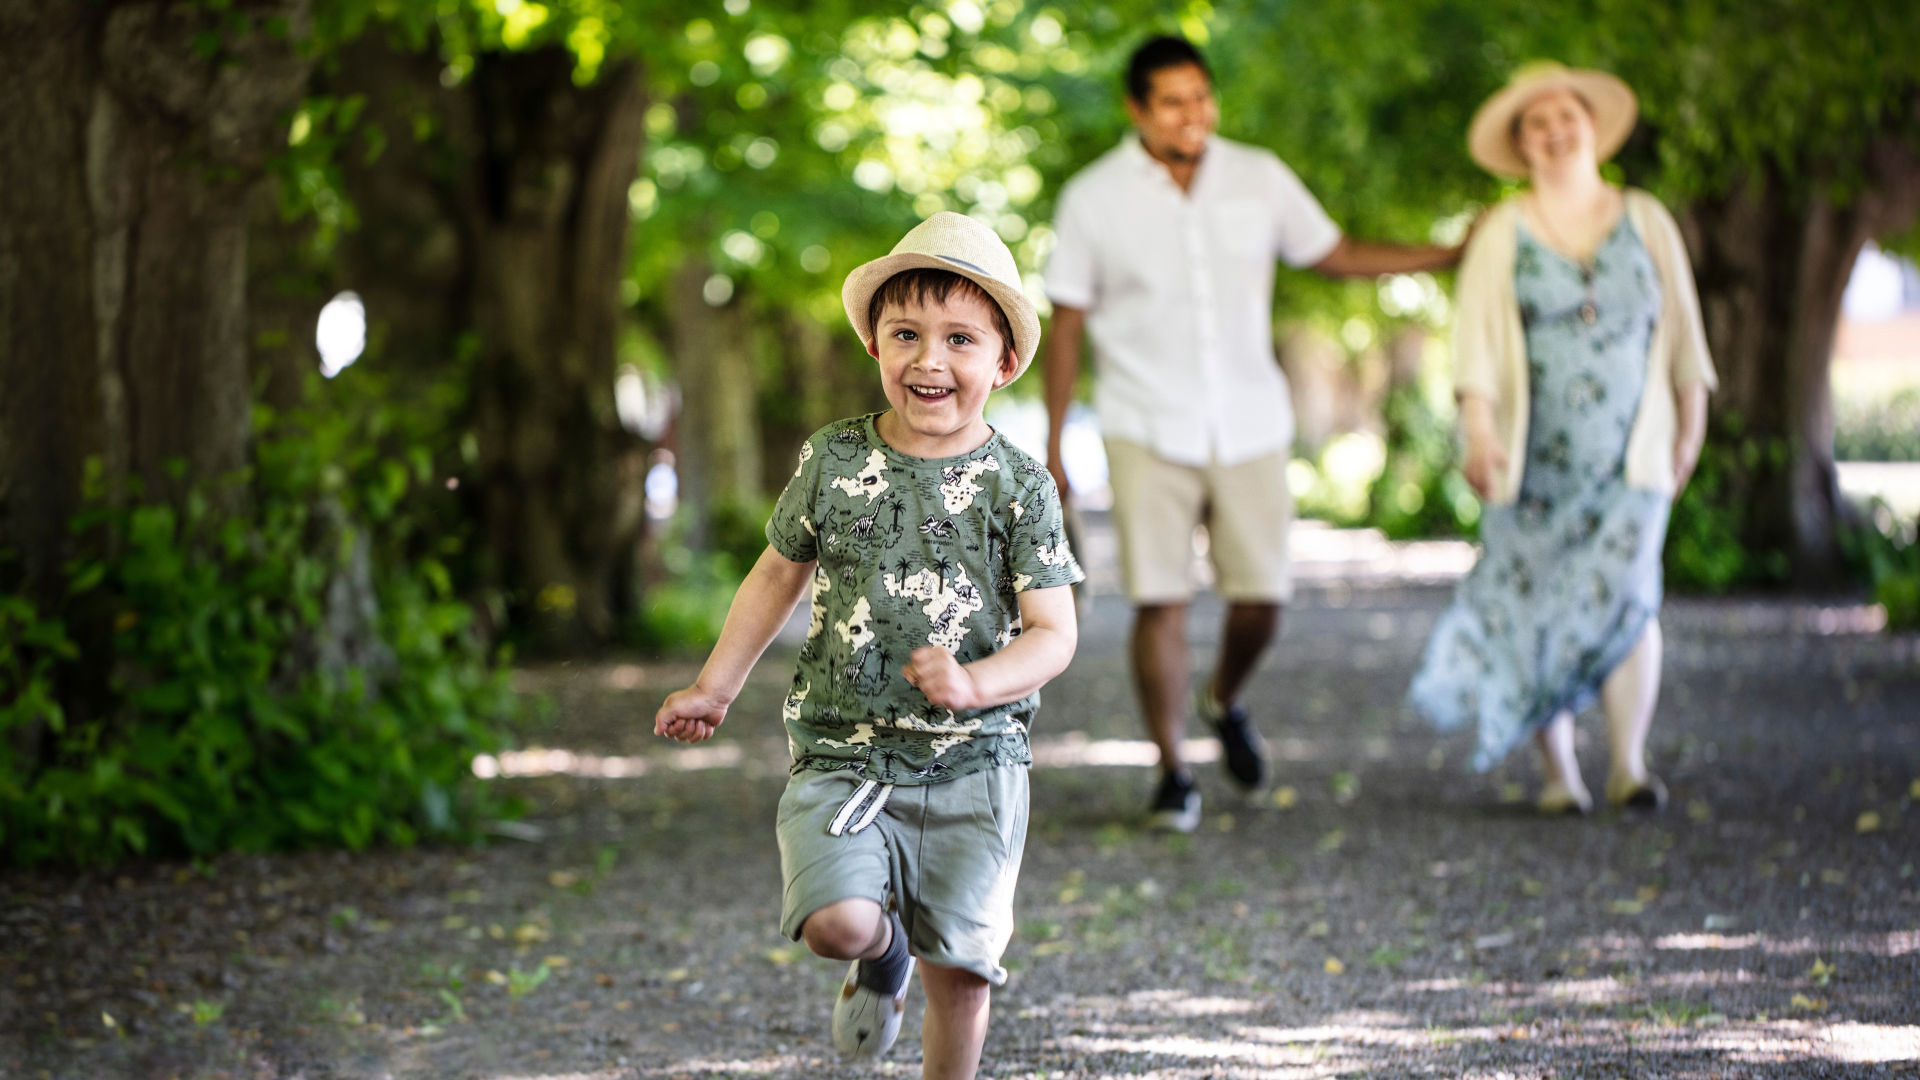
(1158, 53)
(927, 284)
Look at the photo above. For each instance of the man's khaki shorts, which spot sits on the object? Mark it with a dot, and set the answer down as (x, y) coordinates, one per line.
(948, 854)
(1246, 508)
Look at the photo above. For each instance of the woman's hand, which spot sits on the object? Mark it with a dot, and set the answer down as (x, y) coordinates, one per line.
(935, 672)
(1685, 458)
(1486, 462)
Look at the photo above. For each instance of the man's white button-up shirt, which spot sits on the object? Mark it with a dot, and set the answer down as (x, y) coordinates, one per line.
(1178, 290)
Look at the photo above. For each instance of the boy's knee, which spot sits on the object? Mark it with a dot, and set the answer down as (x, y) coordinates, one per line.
(844, 930)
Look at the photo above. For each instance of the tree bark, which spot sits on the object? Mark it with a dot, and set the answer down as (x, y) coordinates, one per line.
(493, 239)
(717, 434)
(1771, 266)
(562, 480)
(128, 164)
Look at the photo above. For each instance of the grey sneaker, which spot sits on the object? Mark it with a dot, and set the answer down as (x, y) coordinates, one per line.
(867, 1021)
(1176, 805)
(1241, 752)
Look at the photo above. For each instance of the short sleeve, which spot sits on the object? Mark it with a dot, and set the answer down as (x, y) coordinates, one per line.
(1070, 274)
(1040, 555)
(1305, 234)
(790, 531)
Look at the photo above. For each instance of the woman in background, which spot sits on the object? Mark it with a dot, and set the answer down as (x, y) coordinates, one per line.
(1582, 376)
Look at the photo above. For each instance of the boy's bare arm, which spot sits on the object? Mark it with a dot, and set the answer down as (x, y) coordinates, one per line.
(760, 608)
(1043, 649)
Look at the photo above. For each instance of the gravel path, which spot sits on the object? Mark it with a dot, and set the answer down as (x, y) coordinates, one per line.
(1380, 912)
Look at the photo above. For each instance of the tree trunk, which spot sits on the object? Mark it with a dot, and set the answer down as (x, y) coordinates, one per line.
(1771, 268)
(562, 480)
(717, 434)
(493, 239)
(127, 166)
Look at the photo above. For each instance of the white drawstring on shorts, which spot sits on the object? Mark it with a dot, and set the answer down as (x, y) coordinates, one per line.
(851, 810)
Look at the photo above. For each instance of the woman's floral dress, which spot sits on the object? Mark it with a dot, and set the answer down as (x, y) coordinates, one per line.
(1569, 573)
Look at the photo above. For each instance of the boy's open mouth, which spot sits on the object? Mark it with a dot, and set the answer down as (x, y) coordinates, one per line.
(931, 393)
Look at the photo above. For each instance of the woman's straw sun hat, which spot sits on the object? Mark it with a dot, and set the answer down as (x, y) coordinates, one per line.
(960, 245)
(1611, 101)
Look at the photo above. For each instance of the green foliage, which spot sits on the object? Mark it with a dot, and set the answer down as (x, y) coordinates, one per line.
(1886, 551)
(1419, 492)
(1877, 427)
(1705, 551)
(252, 700)
(684, 611)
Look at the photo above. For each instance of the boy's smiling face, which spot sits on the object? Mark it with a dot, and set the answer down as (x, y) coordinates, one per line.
(939, 359)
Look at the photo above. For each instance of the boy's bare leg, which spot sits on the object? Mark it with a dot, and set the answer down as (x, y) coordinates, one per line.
(1160, 670)
(852, 929)
(955, 1027)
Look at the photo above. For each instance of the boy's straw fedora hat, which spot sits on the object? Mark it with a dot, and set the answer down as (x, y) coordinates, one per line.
(961, 245)
(1611, 101)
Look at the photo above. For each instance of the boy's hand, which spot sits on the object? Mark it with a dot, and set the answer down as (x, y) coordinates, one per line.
(690, 715)
(940, 677)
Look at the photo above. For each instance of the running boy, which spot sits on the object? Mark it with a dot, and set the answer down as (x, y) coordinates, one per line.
(941, 583)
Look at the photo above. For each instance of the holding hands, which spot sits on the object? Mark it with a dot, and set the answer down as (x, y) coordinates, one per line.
(691, 715)
(935, 673)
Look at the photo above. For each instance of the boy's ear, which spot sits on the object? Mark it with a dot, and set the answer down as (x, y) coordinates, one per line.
(873, 346)
(1009, 366)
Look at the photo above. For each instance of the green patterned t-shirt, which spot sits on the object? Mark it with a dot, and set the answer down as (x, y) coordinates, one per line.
(911, 552)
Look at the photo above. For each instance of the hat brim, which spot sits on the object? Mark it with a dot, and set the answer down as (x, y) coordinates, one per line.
(865, 280)
(1490, 136)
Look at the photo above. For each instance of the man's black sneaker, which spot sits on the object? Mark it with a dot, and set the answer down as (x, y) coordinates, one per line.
(1176, 806)
(1241, 753)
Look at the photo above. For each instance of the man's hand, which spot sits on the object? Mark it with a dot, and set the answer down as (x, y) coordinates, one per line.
(940, 677)
(1058, 469)
(690, 715)
(1486, 463)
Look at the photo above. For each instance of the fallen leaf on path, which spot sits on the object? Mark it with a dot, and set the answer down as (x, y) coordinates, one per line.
(1868, 822)
(1335, 967)
(1809, 1004)
(1821, 972)
(1286, 797)
(1627, 907)
(563, 879)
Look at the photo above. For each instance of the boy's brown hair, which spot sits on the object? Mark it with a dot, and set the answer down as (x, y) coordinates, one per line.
(927, 285)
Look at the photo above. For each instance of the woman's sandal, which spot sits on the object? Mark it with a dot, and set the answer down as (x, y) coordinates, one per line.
(1647, 793)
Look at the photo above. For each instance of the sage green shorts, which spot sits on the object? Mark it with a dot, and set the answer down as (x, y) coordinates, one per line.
(948, 854)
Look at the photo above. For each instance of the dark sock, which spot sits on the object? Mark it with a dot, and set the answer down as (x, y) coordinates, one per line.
(887, 971)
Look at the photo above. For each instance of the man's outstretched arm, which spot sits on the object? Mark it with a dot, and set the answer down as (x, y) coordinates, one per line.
(1364, 258)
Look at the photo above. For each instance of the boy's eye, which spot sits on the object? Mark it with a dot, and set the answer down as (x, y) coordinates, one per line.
(906, 335)
(959, 339)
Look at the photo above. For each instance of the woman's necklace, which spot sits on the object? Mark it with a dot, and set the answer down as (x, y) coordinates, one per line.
(1589, 311)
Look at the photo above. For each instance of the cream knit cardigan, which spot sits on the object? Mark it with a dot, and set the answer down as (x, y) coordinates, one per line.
(1490, 345)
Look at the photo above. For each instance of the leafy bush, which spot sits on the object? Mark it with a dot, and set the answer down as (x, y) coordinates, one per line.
(1420, 493)
(684, 610)
(1886, 550)
(285, 665)
(1878, 428)
(1704, 551)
